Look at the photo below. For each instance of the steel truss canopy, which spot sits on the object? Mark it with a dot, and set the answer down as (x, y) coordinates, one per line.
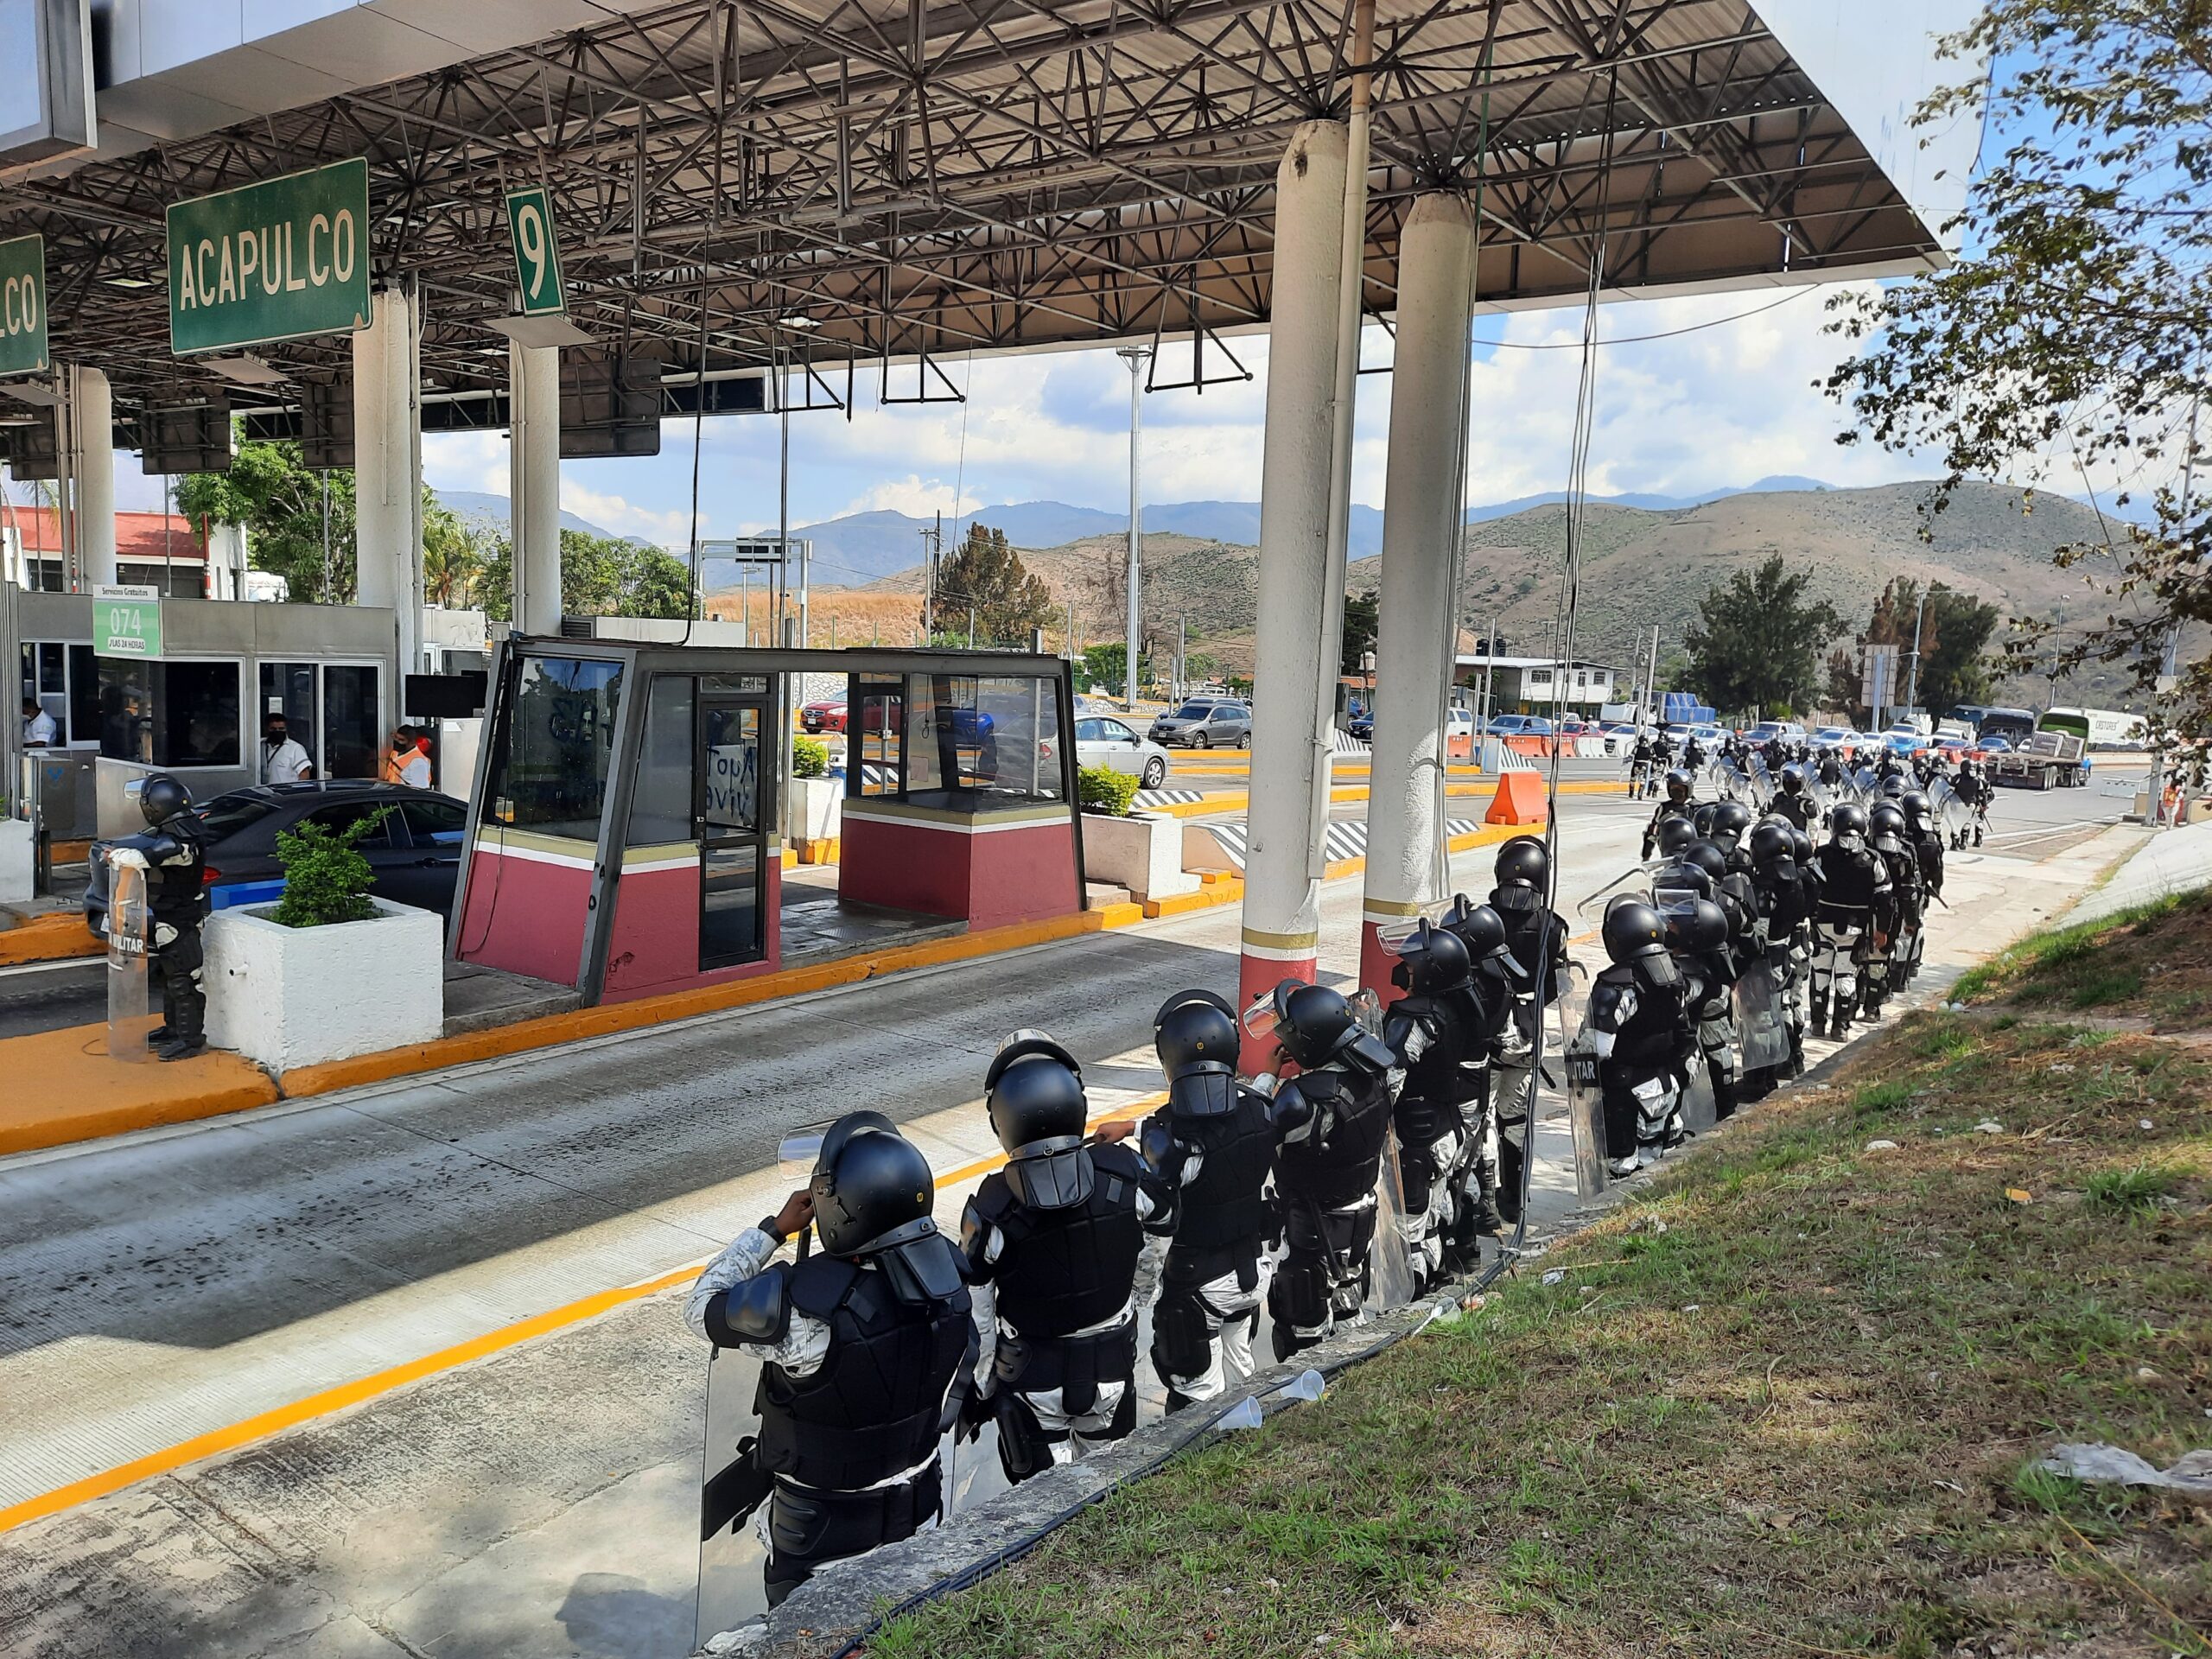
(866, 188)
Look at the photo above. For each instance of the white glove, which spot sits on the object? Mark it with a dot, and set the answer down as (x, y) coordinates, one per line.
(128, 858)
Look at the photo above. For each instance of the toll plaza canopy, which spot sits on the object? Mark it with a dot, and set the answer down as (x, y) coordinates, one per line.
(842, 183)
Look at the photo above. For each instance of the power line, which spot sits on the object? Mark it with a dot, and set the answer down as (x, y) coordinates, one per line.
(1638, 339)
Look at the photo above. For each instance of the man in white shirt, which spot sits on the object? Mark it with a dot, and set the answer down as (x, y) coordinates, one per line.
(39, 729)
(282, 758)
(407, 764)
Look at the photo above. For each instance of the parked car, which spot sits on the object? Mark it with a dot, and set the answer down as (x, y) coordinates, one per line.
(1775, 731)
(1835, 737)
(413, 854)
(827, 716)
(1519, 726)
(1108, 740)
(1620, 739)
(1205, 723)
(1360, 727)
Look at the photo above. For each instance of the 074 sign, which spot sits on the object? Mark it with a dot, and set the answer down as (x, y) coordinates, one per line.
(538, 257)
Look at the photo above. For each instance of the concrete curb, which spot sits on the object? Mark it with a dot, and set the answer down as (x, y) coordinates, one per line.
(57, 936)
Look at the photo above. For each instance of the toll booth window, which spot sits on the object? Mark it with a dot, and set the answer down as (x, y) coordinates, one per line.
(353, 740)
(875, 724)
(170, 714)
(974, 740)
(660, 801)
(551, 773)
(288, 689)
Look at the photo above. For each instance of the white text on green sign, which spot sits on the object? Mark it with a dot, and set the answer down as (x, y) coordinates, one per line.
(22, 306)
(126, 622)
(272, 261)
(538, 257)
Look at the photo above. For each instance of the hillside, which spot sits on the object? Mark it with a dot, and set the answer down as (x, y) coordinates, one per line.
(1641, 568)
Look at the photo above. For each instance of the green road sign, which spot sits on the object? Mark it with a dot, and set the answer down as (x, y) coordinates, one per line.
(538, 257)
(276, 260)
(126, 622)
(22, 306)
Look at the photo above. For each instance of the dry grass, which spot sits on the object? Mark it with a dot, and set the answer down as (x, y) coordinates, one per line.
(1787, 1401)
(2150, 964)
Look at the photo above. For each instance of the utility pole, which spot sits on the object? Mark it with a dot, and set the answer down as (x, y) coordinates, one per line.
(1136, 357)
(935, 538)
(1073, 651)
(1651, 681)
(1912, 685)
(1182, 640)
(971, 628)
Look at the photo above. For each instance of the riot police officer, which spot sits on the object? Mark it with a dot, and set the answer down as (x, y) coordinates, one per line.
(1211, 1150)
(1482, 1202)
(1678, 805)
(1786, 914)
(1926, 837)
(1791, 800)
(1720, 962)
(174, 857)
(1697, 938)
(1336, 1117)
(1854, 884)
(866, 1347)
(1429, 1031)
(1638, 1026)
(1640, 766)
(1899, 918)
(1537, 936)
(1053, 1241)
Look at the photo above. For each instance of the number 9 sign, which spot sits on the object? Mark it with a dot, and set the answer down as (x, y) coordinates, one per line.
(537, 258)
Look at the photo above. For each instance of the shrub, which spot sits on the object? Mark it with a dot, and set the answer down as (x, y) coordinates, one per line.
(326, 878)
(810, 757)
(1100, 789)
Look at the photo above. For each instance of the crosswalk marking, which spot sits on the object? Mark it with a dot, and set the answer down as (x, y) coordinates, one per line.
(1344, 838)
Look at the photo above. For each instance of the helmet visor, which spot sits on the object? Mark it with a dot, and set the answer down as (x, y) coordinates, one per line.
(1366, 1011)
(1262, 1018)
(1397, 933)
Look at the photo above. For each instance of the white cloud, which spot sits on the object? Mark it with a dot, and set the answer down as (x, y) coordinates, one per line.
(916, 497)
(671, 528)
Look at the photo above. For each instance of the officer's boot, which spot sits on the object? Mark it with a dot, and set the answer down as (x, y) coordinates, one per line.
(1817, 1012)
(188, 1023)
(1486, 1218)
(162, 1032)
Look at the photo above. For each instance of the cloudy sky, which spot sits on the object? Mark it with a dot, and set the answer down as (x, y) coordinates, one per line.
(1724, 404)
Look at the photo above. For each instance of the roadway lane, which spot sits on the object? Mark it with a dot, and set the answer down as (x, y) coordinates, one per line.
(45, 996)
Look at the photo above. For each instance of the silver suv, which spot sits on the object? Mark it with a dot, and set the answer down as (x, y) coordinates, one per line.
(1205, 723)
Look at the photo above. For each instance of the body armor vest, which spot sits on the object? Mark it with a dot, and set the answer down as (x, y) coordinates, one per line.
(1848, 884)
(1341, 1157)
(1061, 1270)
(1647, 1038)
(1227, 1205)
(875, 1406)
(1429, 1105)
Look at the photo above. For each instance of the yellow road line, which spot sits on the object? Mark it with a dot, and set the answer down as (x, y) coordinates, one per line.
(277, 1418)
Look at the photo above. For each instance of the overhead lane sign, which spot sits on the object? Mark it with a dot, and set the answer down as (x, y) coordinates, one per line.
(278, 260)
(22, 306)
(538, 257)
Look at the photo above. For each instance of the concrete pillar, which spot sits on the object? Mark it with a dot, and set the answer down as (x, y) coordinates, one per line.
(534, 483)
(1301, 618)
(388, 474)
(92, 471)
(1415, 637)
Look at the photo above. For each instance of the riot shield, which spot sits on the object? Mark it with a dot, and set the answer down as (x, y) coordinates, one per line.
(1586, 1112)
(1761, 783)
(1734, 785)
(732, 1559)
(1866, 788)
(1391, 1280)
(1762, 1030)
(1698, 1109)
(1951, 814)
(131, 1017)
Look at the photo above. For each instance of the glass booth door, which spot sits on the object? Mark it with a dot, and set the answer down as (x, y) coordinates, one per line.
(733, 810)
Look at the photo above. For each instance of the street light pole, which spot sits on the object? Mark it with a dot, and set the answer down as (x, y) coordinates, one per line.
(1912, 685)
(1136, 357)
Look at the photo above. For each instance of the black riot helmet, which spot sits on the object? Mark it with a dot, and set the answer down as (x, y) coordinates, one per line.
(1522, 861)
(1702, 820)
(1847, 818)
(1430, 959)
(1917, 811)
(1771, 842)
(1703, 928)
(1801, 846)
(1886, 824)
(1678, 786)
(1312, 1023)
(161, 797)
(1196, 1038)
(1675, 834)
(1038, 1113)
(1792, 781)
(1893, 781)
(1730, 820)
(869, 1182)
(1704, 855)
(1634, 930)
(1480, 928)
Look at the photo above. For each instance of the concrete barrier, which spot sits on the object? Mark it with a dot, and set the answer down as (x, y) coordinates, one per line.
(1520, 799)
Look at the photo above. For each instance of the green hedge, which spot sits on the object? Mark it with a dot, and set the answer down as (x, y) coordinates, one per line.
(1101, 788)
(810, 757)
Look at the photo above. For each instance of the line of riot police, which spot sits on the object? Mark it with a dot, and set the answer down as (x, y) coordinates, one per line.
(1359, 1166)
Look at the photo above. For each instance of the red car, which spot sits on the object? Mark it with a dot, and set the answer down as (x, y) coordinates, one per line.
(828, 715)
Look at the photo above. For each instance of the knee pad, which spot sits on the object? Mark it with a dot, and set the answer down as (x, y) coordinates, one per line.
(1183, 1332)
(1299, 1295)
(1025, 1448)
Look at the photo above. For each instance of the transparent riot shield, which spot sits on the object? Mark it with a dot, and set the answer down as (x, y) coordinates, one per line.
(1734, 785)
(130, 1015)
(1390, 1281)
(1586, 1112)
(1762, 1031)
(1951, 814)
(1761, 783)
(1866, 787)
(1698, 1109)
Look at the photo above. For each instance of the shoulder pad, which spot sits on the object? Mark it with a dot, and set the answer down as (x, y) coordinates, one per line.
(1294, 1105)
(758, 1309)
(1113, 1158)
(976, 1221)
(1156, 1143)
(1372, 1054)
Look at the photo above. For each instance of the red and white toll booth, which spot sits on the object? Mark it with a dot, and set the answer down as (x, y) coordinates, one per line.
(626, 835)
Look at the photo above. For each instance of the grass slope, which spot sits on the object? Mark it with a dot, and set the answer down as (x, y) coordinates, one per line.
(1788, 1401)
(2151, 963)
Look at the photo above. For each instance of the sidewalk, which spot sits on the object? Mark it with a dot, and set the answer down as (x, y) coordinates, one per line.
(2173, 860)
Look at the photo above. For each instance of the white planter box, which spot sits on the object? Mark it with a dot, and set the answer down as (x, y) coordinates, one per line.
(292, 996)
(1143, 854)
(18, 862)
(814, 809)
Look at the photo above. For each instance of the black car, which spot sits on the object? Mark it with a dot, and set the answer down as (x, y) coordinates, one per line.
(414, 853)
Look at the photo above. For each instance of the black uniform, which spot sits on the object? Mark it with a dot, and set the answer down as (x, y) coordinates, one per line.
(1338, 1123)
(1640, 1019)
(1433, 1036)
(1685, 809)
(177, 895)
(1854, 891)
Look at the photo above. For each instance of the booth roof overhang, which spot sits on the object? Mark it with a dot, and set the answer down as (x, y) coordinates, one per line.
(895, 182)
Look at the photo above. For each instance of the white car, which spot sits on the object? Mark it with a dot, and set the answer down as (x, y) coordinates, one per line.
(1108, 740)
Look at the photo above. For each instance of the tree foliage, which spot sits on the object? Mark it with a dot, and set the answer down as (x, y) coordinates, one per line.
(986, 576)
(2070, 341)
(279, 501)
(1362, 622)
(1107, 665)
(1951, 634)
(1755, 644)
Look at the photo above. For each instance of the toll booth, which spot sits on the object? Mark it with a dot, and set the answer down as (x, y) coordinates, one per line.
(191, 697)
(625, 833)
